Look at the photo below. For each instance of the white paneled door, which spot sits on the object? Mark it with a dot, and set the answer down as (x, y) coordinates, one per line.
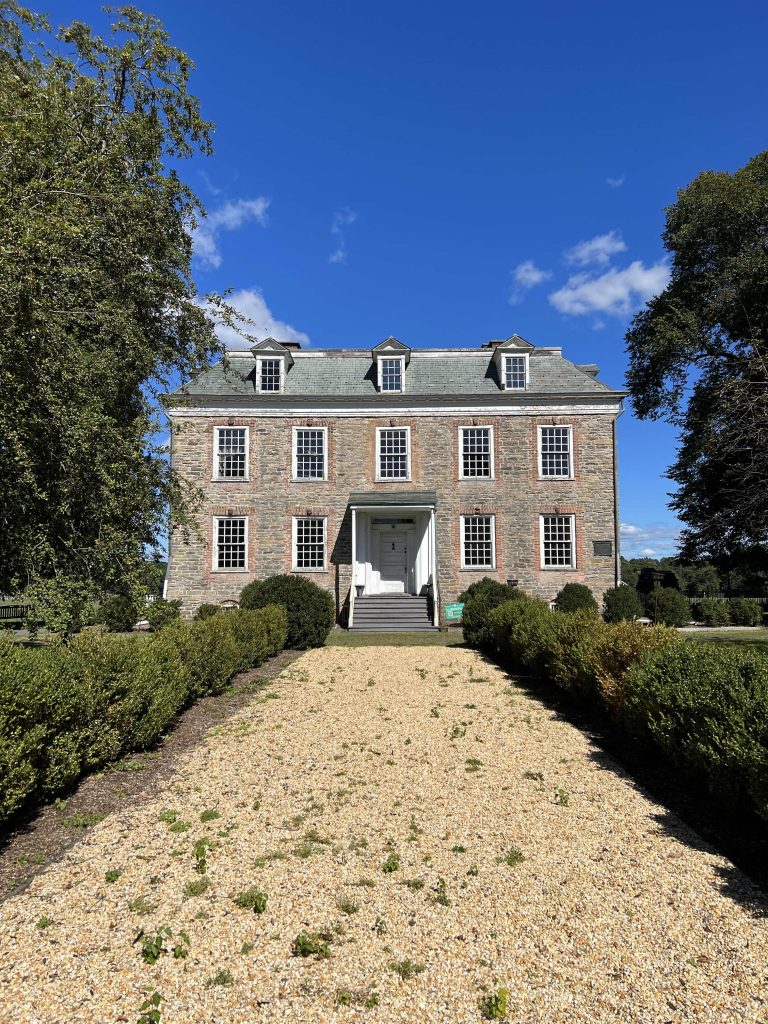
(393, 564)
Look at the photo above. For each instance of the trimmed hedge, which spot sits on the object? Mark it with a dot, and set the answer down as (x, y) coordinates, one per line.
(668, 607)
(622, 603)
(311, 610)
(118, 613)
(479, 600)
(67, 710)
(712, 612)
(745, 612)
(576, 597)
(706, 707)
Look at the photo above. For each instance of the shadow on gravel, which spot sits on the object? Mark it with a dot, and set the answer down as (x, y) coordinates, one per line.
(31, 843)
(692, 816)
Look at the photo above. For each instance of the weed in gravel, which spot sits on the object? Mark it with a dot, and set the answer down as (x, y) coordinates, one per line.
(310, 944)
(367, 999)
(197, 887)
(256, 805)
(440, 891)
(458, 731)
(223, 978)
(494, 1007)
(562, 797)
(209, 815)
(149, 1011)
(141, 906)
(247, 947)
(380, 925)
(473, 870)
(415, 829)
(30, 858)
(355, 845)
(252, 899)
(180, 826)
(533, 776)
(414, 884)
(168, 817)
(112, 875)
(435, 712)
(199, 852)
(421, 672)
(364, 883)
(473, 764)
(83, 819)
(513, 858)
(392, 863)
(347, 906)
(153, 946)
(44, 922)
(266, 858)
(458, 849)
(407, 969)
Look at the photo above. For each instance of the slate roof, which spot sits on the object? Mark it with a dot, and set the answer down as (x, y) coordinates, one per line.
(351, 374)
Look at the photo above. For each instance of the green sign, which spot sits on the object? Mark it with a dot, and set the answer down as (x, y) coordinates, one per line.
(453, 611)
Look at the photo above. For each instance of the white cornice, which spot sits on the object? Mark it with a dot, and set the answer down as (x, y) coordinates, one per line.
(554, 408)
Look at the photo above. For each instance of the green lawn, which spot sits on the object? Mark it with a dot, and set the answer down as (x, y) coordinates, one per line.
(753, 639)
(345, 638)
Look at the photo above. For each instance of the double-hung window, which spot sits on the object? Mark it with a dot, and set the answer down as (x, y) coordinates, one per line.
(478, 542)
(515, 373)
(476, 452)
(309, 453)
(230, 453)
(391, 373)
(555, 453)
(230, 543)
(558, 546)
(394, 453)
(309, 543)
(270, 374)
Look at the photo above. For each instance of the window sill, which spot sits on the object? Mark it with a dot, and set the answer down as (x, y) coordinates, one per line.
(558, 568)
(556, 479)
(301, 572)
(393, 480)
(474, 479)
(230, 572)
(477, 568)
(309, 479)
(230, 479)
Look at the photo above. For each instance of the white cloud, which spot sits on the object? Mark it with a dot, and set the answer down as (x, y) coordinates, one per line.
(525, 276)
(617, 292)
(616, 182)
(655, 540)
(250, 302)
(342, 219)
(596, 250)
(228, 217)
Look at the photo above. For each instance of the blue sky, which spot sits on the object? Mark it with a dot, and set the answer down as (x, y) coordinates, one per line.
(433, 171)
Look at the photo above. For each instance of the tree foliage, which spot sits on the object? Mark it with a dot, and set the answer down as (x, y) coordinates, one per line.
(699, 357)
(99, 307)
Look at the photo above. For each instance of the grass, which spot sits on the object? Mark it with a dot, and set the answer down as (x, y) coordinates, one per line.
(344, 638)
(756, 639)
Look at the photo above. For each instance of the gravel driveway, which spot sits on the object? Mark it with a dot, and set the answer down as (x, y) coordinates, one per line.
(434, 832)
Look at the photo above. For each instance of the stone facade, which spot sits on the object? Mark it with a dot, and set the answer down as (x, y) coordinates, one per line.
(516, 496)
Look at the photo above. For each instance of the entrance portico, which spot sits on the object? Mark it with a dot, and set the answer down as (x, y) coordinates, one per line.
(393, 545)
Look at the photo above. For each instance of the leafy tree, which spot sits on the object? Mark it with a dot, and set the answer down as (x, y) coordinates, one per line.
(99, 307)
(699, 357)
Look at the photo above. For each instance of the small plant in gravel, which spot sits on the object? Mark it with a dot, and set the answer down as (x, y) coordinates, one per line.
(308, 944)
(199, 852)
(222, 977)
(83, 819)
(209, 815)
(149, 1011)
(414, 884)
(364, 883)
(407, 969)
(562, 797)
(247, 947)
(458, 849)
(266, 858)
(152, 946)
(380, 925)
(180, 826)
(473, 764)
(181, 949)
(141, 906)
(494, 1007)
(168, 817)
(44, 922)
(347, 905)
(367, 999)
(513, 858)
(112, 875)
(415, 829)
(473, 870)
(533, 776)
(252, 899)
(440, 891)
(392, 863)
(197, 887)
(435, 712)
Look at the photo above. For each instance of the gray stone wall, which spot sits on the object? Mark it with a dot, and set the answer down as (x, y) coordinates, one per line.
(516, 497)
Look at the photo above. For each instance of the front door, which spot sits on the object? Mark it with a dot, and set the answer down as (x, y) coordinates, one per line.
(393, 562)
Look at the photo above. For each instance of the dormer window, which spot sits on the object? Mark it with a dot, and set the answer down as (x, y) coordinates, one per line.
(515, 373)
(270, 374)
(391, 373)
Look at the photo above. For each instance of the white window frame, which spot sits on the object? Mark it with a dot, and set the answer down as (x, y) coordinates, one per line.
(215, 544)
(215, 468)
(557, 568)
(380, 368)
(295, 461)
(477, 515)
(540, 431)
(393, 479)
(514, 355)
(295, 546)
(480, 426)
(270, 359)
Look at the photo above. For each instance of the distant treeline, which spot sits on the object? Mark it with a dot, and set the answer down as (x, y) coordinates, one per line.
(745, 575)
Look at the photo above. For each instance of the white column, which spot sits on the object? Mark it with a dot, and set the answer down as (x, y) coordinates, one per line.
(352, 590)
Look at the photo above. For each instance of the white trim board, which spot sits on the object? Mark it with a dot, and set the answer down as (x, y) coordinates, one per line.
(389, 412)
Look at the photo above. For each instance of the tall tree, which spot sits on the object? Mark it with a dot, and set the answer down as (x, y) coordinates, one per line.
(99, 308)
(699, 358)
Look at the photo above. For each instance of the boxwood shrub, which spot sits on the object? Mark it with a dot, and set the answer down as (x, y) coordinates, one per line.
(712, 611)
(311, 610)
(621, 603)
(479, 601)
(576, 597)
(67, 710)
(668, 607)
(745, 612)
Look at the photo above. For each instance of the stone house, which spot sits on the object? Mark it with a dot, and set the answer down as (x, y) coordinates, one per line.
(396, 477)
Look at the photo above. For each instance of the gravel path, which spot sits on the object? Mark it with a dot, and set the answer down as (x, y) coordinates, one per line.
(526, 861)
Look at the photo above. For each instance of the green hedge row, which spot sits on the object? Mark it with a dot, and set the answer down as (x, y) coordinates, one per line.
(67, 710)
(702, 706)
